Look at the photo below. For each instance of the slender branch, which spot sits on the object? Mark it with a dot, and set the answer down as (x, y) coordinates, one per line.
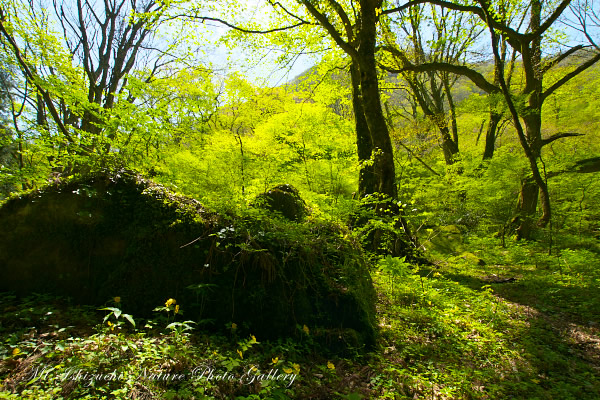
(477, 78)
(507, 30)
(587, 166)
(561, 135)
(324, 22)
(561, 57)
(549, 21)
(239, 28)
(274, 4)
(344, 17)
(570, 75)
(418, 158)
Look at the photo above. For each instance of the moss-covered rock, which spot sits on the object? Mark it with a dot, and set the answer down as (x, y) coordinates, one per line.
(285, 200)
(445, 239)
(472, 258)
(116, 234)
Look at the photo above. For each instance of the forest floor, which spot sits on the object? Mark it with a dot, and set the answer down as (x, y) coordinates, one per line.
(522, 326)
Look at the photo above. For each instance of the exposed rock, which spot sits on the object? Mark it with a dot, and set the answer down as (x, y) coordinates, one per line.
(116, 234)
(284, 199)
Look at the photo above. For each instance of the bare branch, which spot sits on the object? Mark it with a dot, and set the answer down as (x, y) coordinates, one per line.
(587, 166)
(288, 12)
(561, 57)
(324, 22)
(412, 153)
(586, 15)
(477, 78)
(561, 135)
(239, 28)
(571, 75)
(505, 29)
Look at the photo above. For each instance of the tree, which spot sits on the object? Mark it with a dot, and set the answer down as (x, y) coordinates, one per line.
(355, 32)
(497, 108)
(408, 41)
(8, 155)
(525, 104)
(352, 27)
(246, 107)
(80, 74)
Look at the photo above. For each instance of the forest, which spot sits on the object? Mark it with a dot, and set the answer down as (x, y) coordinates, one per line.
(299, 199)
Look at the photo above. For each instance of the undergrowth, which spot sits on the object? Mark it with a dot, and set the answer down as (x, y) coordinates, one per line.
(521, 326)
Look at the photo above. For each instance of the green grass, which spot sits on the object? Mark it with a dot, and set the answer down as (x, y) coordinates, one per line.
(449, 332)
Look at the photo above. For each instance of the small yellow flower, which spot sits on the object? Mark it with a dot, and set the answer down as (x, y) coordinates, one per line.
(275, 360)
(170, 302)
(16, 351)
(111, 325)
(254, 369)
(296, 367)
(330, 365)
(176, 308)
(117, 299)
(253, 339)
(305, 329)
(234, 326)
(287, 370)
(240, 354)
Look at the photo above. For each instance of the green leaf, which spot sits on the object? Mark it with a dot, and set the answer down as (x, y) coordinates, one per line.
(129, 318)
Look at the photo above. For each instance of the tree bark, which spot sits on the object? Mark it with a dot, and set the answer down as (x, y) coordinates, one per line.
(383, 159)
(491, 134)
(532, 119)
(366, 176)
(434, 110)
(527, 206)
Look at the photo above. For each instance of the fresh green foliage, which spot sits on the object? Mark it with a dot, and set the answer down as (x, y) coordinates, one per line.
(116, 313)
(490, 317)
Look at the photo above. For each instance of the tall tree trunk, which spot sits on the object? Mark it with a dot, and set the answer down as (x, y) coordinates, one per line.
(532, 118)
(533, 129)
(452, 107)
(495, 116)
(527, 207)
(491, 134)
(449, 146)
(41, 112)
(366, 176)
(383, 158)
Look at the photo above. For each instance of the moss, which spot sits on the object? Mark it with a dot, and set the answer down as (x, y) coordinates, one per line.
(284, 200)
(117, 234)
(446, 239)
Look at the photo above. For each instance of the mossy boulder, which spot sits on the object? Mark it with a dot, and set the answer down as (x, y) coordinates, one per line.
(445, 239)
(285, 200)
(472, 258)
(117, 234)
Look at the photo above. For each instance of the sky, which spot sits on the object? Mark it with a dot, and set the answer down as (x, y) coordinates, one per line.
(257, 68)
(264, 72)
(260, 68)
